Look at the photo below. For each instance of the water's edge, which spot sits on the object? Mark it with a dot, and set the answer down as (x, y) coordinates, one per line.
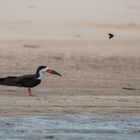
(69, 127)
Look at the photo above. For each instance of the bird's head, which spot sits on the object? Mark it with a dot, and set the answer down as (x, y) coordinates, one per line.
(42, 70)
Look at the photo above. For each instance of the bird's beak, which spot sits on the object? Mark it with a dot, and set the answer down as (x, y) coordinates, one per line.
(50, 70)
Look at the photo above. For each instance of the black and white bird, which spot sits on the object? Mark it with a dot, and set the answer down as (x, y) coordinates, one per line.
(28, 81)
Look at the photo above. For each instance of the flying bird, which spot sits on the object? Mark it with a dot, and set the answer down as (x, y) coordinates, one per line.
(110, 35)
(28, 81)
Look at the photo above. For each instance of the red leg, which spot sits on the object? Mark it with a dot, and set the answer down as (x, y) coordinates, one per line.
(30, 92)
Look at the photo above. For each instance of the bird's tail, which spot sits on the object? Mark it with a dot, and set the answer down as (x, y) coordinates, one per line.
(2, 81)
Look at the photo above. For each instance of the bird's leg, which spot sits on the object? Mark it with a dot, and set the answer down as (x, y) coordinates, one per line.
(30, 92)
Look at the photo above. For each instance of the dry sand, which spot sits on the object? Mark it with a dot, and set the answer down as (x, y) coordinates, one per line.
(71, 36)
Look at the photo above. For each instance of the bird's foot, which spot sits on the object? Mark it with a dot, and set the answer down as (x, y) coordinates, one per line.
(30, 94)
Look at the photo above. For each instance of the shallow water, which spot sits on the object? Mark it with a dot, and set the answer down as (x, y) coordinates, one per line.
(70, 127)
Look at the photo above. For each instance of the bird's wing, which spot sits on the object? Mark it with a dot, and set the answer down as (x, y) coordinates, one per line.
(28, 80)
(10, 80)
(21, 81)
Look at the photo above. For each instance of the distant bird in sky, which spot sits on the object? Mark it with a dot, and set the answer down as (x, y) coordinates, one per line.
(110, 35)
(28, 81)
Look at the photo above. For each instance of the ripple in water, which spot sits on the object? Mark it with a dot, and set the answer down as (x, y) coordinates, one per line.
(70, 127)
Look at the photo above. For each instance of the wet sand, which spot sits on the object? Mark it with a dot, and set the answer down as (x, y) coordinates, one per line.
(98, 74)
(78, 104)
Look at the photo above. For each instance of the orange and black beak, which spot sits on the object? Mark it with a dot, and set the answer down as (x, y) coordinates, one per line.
(50, 70)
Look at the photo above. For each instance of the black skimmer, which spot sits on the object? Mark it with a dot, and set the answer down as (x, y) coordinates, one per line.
(110, 35)
(28, 81)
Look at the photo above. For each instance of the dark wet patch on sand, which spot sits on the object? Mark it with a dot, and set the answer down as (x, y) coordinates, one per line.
(31, 46)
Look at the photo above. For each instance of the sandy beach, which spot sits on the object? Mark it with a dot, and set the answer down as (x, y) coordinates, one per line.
(100, 76)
